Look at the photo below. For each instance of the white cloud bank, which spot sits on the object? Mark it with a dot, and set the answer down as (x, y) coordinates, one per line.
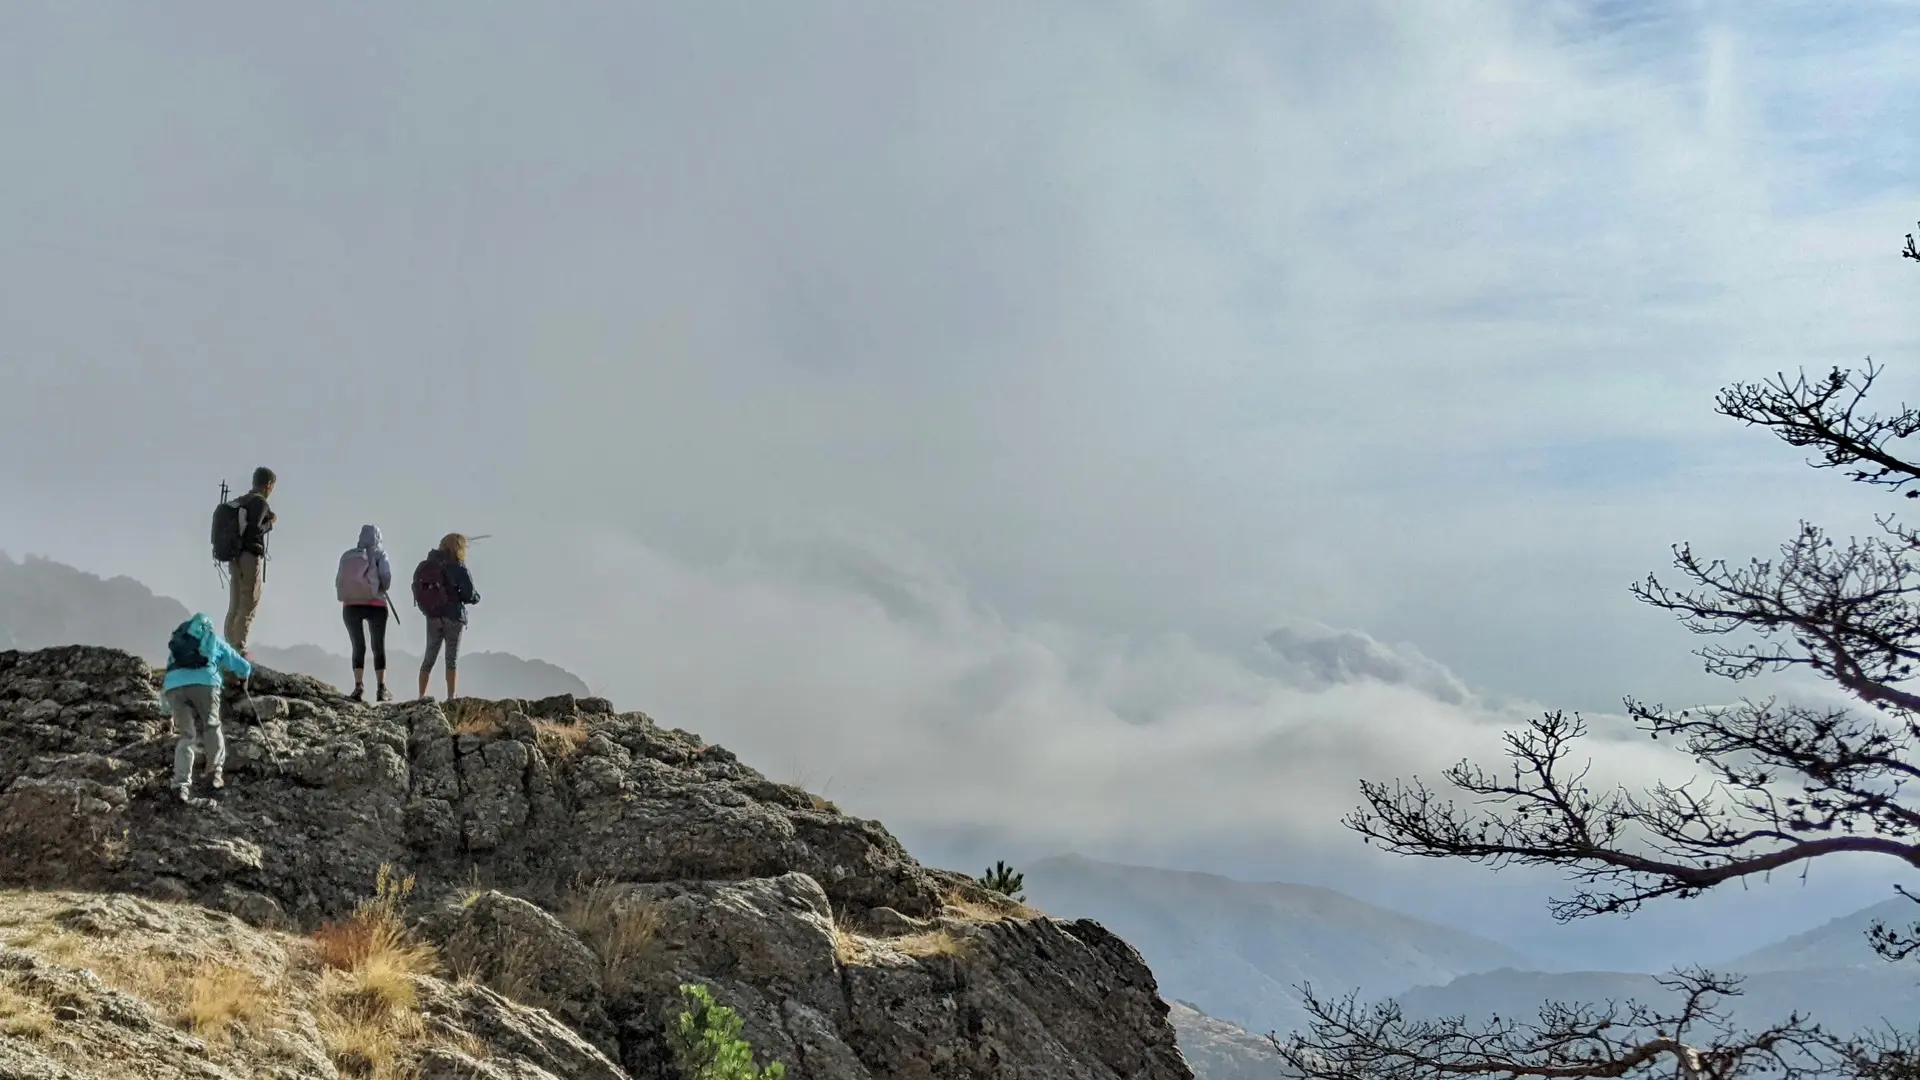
(871, 672)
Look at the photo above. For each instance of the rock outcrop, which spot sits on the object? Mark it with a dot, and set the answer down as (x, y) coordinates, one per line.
(574, 864)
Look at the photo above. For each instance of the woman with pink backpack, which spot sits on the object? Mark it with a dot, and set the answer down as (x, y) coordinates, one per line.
(361, 584)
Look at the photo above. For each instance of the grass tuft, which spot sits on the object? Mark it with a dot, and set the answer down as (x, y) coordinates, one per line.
(561, 740)
(934, 943)
(469, 716)
(848, 946)
(220, 995)
(22, 1015)
(997, 909)
(620, 934)
(368, 1011)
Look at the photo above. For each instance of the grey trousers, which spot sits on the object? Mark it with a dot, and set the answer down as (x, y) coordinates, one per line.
(439, 630)
(196, 724)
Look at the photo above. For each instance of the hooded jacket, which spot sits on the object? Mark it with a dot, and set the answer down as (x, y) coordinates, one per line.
(219, 655)
(377, 556)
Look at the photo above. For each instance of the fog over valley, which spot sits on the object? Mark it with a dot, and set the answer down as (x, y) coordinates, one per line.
(1091, 436)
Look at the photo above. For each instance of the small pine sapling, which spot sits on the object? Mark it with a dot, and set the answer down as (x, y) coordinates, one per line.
(1002, 879)
(707, 1045)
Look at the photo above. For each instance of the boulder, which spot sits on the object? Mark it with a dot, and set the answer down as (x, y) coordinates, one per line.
(525, 953)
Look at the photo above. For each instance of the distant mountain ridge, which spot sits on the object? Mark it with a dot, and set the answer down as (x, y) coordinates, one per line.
(1844, 1000)
(45, 603)
(1239, 951)
(1838, 943)
(482, 674)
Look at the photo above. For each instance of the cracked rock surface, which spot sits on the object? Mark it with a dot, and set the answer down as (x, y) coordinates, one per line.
(844, 957)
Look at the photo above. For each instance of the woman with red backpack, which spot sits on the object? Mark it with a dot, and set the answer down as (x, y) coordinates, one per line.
(361, 584)
(442, 589)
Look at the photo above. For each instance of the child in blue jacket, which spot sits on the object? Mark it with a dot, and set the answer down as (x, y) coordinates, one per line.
(196, 655)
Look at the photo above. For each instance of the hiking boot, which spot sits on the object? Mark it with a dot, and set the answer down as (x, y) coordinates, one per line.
(219, 780)
(185, 791)
(359, 694)
(384, 695)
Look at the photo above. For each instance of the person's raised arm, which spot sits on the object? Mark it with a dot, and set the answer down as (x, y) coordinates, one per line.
(231, 660)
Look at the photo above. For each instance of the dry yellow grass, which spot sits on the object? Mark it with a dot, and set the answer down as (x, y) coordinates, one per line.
(848, 946)
(471, 717)
(22, 1015)
(561, 740)
(357, 978)
(977, 910)
(367, 998)
(220, 995)
(934, 943)
(620, 934)
(200, 992)
(476, 725)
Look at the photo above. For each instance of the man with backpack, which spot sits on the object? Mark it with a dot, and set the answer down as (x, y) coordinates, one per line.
(195, 657)
(240, 531)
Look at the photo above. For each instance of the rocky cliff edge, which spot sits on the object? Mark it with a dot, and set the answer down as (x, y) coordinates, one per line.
(572, 865)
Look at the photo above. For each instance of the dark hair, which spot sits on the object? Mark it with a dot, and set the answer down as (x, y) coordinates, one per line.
(263, 476)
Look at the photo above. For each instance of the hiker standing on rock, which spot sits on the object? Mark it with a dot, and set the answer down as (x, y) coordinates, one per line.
(361, 585)
(195, 656)
(442, 589)
(240, 531)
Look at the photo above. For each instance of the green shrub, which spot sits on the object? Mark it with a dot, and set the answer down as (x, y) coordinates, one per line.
(707, 1044)
(1002, 879)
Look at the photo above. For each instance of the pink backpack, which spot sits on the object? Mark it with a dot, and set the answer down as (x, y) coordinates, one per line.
(357, 582)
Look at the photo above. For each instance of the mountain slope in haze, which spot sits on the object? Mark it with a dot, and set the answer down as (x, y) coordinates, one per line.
(1840, 943)
(1240, 951)
(492, 675)
(1218, 1050)
(1844, 1000)
(45, 603)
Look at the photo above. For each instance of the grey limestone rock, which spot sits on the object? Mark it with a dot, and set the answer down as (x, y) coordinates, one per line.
(845, 958)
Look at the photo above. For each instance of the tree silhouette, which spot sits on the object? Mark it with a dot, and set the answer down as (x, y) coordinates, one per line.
(1783, 784)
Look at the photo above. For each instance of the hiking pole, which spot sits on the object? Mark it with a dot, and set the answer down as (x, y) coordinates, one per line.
(220, 568)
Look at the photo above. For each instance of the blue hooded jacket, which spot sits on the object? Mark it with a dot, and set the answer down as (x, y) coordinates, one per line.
(219, 655)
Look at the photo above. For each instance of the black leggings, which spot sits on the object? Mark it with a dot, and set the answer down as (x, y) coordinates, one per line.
(361, 617)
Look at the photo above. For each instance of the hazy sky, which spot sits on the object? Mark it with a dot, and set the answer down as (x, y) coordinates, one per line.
(1112, 426)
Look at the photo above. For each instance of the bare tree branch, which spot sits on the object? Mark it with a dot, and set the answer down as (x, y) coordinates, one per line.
(1350, 1041)
(1852, 613)
(1884, 1055)
(1667, 842)
(1825, 414)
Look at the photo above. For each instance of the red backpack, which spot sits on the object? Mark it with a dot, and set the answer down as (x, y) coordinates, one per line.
(432, 591)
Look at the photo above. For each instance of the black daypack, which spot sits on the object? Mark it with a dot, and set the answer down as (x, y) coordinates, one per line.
(227, 531)
(184, 651)
(433, 589)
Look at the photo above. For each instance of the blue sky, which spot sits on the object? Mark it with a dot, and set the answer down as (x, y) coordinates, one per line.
(950, 400)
